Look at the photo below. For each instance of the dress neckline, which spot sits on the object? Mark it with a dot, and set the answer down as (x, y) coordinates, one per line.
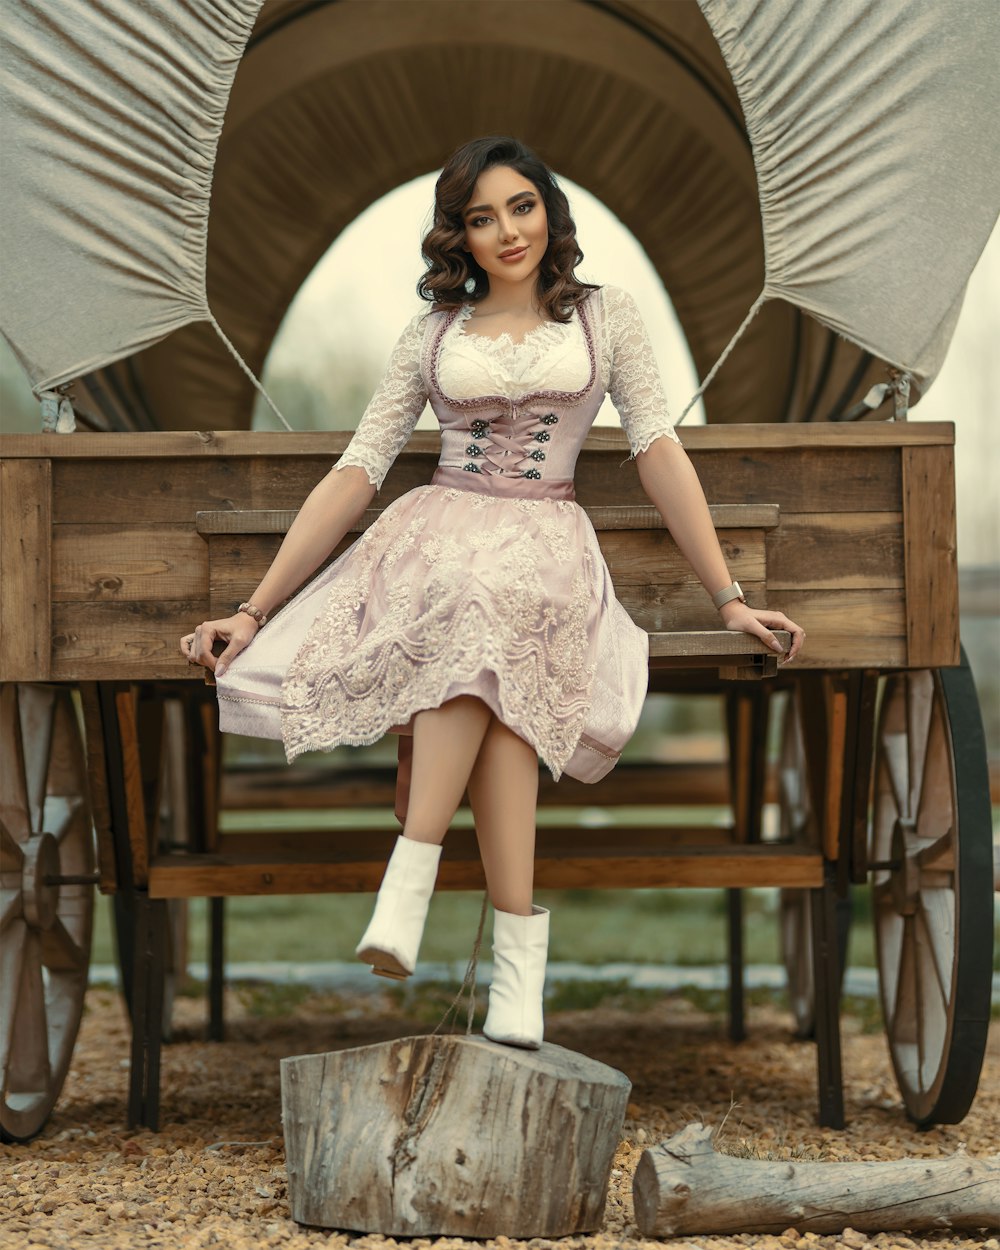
(465, 314)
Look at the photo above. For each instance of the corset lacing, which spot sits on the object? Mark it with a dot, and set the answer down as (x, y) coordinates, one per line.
(509, 445)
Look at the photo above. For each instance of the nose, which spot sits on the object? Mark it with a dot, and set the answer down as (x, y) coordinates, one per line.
(508, 229)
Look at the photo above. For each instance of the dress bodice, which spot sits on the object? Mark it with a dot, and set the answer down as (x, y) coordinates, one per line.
(515, 410)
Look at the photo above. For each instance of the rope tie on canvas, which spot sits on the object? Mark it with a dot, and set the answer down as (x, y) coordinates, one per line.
(468, 985)
(247, 370)
(755, 308)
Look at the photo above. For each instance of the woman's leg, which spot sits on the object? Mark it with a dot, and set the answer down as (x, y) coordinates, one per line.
(446, 741)
(503, 791)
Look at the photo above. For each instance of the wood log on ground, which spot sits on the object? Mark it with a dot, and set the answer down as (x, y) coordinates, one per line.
(451, 1136)
(686, 1186)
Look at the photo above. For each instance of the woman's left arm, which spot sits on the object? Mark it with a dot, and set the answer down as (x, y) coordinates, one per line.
(669, 479)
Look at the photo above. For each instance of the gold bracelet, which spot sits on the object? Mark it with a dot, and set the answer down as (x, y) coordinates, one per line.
(256, 613)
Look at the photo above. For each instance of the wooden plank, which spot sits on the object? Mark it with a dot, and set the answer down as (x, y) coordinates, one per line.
(692, 783)
(714, 643)
(25, 562)
(665, 609)
(325, 845)
(836, 744)
(847, 628)
(797, 479)
(930, 557)
(97, 776)
(244, 444)
(127, 563)
(132, 784)
(229, 876)
(836, 550)
(126, 641)
(652, 558)
(155, 491)
(635, 517)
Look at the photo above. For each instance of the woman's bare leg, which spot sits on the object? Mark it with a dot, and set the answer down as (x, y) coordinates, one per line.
(446, 741)
(503, 791)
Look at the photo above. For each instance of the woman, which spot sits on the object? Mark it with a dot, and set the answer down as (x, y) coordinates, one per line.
(477, 613)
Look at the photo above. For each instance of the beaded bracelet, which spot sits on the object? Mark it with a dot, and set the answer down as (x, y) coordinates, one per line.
(256, 613)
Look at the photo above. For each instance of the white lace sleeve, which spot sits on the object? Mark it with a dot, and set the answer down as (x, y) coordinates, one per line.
(392, 412)
(635, 385)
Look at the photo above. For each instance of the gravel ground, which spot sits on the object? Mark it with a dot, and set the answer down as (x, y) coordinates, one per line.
(214, 1175)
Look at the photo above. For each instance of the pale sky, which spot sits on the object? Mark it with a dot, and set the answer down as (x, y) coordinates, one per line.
(321, 326)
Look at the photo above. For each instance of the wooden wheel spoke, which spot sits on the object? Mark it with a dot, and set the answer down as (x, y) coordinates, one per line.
(894, 766)
(10, 907)
(933, 803)
(936, 917)
(921, 705)
(882, 893)
(11, 960)
(37, 706)
(13, 792)
(938, 856)
(11, 855)
(903, 1025)
(60, 950)
(28, 1069)
(62, 815)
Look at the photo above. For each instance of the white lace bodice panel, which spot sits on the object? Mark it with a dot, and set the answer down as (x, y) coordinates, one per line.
(551, 357)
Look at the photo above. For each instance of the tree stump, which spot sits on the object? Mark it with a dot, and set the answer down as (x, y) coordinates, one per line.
(451, 1136)
(685, 1186)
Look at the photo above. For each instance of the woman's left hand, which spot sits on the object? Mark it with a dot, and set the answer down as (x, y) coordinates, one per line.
(759, 622)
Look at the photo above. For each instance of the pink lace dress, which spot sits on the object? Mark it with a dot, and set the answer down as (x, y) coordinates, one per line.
(489, 581)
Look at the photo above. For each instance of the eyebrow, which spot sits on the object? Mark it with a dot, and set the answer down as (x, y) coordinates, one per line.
(478, 208)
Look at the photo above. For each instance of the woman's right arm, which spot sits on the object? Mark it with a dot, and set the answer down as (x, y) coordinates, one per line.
(334, 505)
(329, 511)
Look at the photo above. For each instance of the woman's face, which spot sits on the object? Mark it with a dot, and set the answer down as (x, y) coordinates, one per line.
(506, 227)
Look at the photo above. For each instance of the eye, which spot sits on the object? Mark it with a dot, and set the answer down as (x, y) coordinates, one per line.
(527, 205)
(475, 221)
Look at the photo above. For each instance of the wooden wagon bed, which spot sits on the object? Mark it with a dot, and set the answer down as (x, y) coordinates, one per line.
(113, 546)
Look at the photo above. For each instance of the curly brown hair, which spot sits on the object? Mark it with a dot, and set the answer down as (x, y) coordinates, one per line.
(453, 276)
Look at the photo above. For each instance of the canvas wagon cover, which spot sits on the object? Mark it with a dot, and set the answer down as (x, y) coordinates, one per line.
(873, 125)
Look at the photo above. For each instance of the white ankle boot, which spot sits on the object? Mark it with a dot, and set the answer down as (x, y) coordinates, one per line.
(392, 939)
(520, 949)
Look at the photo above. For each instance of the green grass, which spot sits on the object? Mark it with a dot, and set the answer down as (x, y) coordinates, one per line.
(683, 927)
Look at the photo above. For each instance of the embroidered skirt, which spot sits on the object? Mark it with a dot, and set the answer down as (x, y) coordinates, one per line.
(452, 591)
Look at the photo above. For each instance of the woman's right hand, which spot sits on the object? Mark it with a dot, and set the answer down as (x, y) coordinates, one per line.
(237, 631)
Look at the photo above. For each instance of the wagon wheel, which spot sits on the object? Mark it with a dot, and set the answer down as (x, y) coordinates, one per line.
(797, 826)
(47, 907)
(930, 852)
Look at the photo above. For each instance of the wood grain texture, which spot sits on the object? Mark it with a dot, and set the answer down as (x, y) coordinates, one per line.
(692, 783)
(244, 444)
(634, 517)
(129, 563)
(123, 641)
(684, 1187)
(204, 876)
(930, 557)
(25, 559)
(453, 1136)
(847, 628)
(836, 550)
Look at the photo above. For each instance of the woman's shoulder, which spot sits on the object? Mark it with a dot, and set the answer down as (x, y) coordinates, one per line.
(616, 298)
